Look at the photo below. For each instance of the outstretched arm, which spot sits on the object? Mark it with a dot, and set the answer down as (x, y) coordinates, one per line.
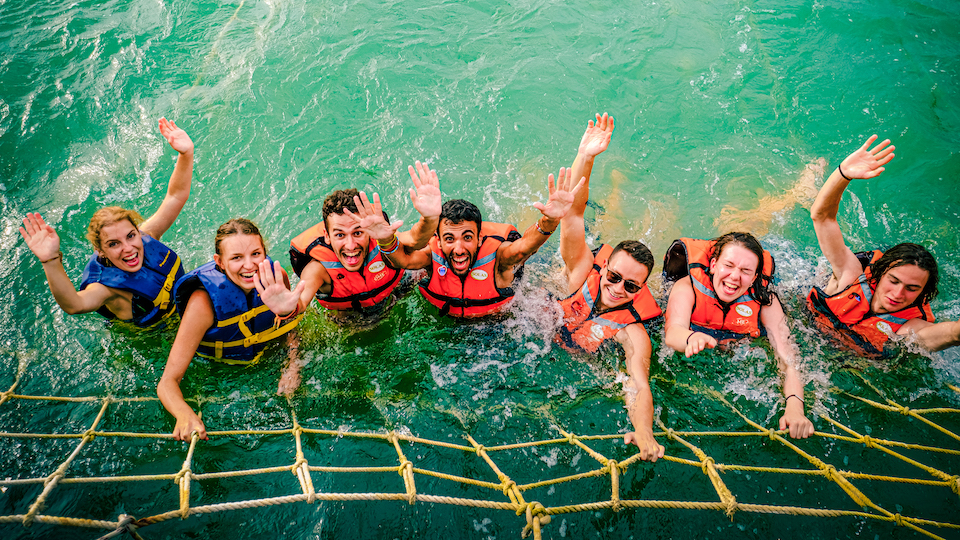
(677, 333)
(369, 217)
(865, 163)
(933, 336)
(178, 191)
(44, 242)
(639, 399)
(775, 322)
(511, 254)
(595, 140)
(197, 318)
(426, 198)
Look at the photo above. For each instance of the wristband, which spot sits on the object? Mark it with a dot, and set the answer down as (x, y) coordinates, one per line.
(389, 243)
(278, 320)
(390, 249)
(848, 179)
(59, 255)
(690, 336)
(543, 232)
(796, 396)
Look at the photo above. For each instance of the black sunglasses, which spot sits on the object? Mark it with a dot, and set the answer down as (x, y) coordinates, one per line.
(629, 285)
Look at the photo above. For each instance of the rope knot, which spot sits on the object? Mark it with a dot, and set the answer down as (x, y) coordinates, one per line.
(536, 517)
(706, 464)
(89, 436)
(405, 465)
(898, 519)
(903, 409)
(480, 448)
(297, 464)
(868, 441)
(506, 486)
(831, 472)
(955, 484)
(670, 435)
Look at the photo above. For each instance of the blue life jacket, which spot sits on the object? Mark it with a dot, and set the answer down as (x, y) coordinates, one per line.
(151, 284)
(243, 325)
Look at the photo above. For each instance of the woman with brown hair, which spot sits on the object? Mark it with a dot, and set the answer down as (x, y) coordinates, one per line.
(230, 309)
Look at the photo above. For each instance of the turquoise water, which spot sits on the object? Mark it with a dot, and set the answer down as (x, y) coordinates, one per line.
(717, 105)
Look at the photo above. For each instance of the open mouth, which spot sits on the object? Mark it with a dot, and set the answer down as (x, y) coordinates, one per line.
(460, 262)
(247, 276)
(132, 260)
(352, 258)
(728, 289)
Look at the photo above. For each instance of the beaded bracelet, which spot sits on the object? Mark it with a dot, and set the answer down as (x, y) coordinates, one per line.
(543, 232)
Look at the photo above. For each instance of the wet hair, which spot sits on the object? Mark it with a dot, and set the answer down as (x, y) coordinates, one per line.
(337, 201)
(759, 288)
(637, 250)
(237, 226)
(905, 254)
(108, 216)
(458, 211)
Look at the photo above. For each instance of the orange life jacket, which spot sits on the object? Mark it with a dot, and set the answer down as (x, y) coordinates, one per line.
(355, 290)
(586, 330)
(736, 320)
(477, 294)
(848, 313)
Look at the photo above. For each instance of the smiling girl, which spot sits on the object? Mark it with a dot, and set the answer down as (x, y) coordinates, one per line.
(230, 309)
(722, 296)
(131, 273)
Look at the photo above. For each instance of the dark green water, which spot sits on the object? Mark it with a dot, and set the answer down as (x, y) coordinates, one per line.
(717, 104)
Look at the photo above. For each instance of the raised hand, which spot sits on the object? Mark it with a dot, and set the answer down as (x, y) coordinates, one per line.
(868, 162)
(561, 195)
(426, 198)
(178, 138)
(273, 290)
(597, 136)
(41, 238)
(369, 217)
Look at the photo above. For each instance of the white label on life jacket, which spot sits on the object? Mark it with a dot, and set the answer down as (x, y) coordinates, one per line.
(885, 328)
(479, 275)
(744, 310)
(376, 267)
(597, 332)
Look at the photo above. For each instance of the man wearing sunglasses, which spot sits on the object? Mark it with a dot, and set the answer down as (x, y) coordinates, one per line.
(609, 300)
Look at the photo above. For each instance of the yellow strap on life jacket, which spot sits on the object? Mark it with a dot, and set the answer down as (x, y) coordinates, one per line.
(250, 339)
(163, 299)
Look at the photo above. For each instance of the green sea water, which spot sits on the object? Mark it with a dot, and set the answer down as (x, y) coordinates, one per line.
(718, 105)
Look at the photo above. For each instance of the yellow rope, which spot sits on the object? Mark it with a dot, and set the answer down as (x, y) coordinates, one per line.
(535, 514)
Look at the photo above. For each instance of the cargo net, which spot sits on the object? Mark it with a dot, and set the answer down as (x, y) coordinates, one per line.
(505, 494)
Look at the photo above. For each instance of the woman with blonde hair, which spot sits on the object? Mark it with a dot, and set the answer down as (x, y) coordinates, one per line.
(131, 273)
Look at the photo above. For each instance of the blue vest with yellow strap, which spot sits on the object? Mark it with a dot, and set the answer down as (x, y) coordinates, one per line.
(151, 285)
(243, 325)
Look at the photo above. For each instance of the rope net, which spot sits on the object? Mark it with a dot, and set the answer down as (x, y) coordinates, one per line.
(684, 449)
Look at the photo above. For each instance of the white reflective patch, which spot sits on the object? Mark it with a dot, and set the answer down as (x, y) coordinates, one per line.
(376, 267)
(746, 311)
(479, 275)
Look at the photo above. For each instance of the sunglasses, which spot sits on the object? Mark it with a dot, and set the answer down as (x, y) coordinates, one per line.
(629, 285)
